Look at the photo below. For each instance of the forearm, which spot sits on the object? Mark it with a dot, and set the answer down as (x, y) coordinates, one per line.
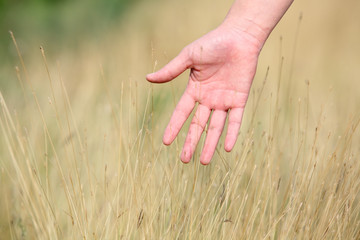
(256, 17)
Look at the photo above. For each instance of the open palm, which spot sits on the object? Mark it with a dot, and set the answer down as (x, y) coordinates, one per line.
(223, 65)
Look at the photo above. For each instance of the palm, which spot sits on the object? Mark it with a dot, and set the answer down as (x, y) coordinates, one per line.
(222, 69)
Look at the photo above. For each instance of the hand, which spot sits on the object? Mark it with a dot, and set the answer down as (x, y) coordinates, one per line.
(223, 65)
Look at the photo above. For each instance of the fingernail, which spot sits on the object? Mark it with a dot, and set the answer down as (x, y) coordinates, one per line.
(166, 140)
(185, 156)
(228, 147)
(149, 76)
(204, 161)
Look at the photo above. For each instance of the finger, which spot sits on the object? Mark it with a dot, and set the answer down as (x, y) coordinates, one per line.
(196, 128)
(173, 69)
(215, 129)
(235, 117)
(178, 118)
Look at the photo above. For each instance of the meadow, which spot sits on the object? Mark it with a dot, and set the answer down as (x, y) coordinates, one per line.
(81, 155)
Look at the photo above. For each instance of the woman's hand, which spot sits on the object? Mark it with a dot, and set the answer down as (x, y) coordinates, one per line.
(222, 66)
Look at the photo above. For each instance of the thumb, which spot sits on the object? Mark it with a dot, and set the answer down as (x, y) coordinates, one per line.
(171, 70)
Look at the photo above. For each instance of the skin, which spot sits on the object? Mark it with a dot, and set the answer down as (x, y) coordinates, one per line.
(222, 66)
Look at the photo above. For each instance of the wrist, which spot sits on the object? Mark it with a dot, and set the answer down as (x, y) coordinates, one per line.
(245, 27)
(255, 18)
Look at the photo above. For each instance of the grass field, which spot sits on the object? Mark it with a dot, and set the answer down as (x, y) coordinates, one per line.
(81, 155)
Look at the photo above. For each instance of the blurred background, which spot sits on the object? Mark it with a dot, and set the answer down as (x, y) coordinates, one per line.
(130, 38)
(63, 23)
(326, 40)
(102, 50)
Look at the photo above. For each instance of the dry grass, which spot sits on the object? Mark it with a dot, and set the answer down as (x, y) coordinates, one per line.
(81, 153)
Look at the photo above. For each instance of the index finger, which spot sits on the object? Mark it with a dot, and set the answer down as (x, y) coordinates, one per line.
(178, 118)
